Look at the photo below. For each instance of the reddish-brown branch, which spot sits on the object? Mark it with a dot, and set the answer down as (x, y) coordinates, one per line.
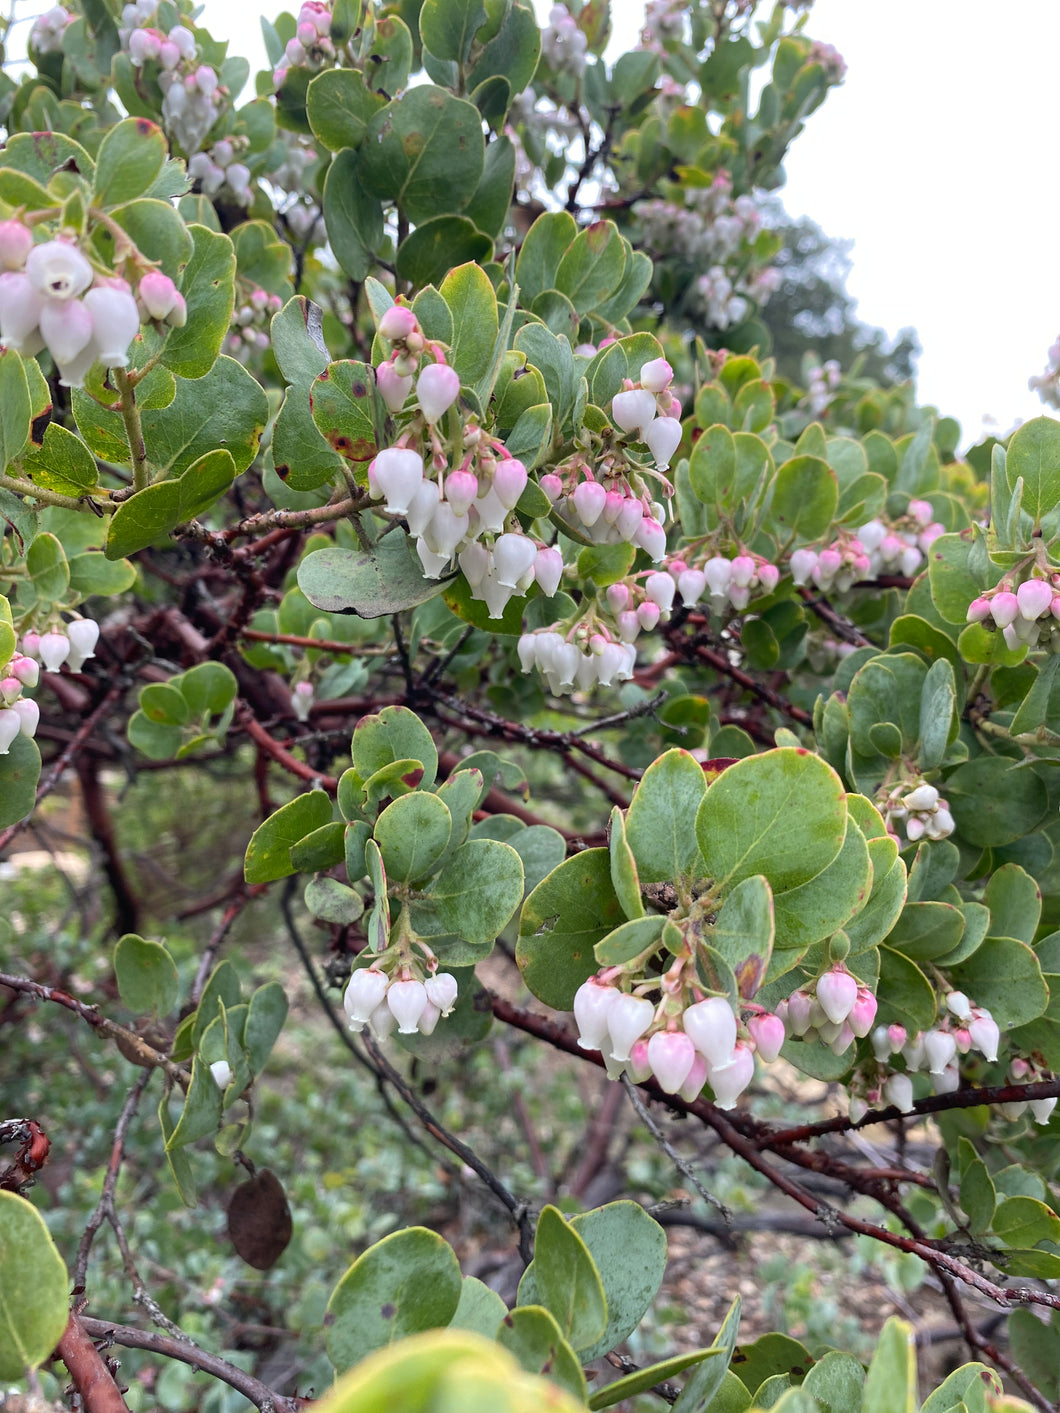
(88, 1373)
(280, 754)
(721, 664)
(93, 796)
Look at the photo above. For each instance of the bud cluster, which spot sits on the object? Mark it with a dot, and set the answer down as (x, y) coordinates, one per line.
(219, 173)
(664, 21)
(578, 661)
(71, 643)
(191, 91)
(919, 808)
(17, 713)
(837, 1012)
(311, 47)
(563, 44)
(823, 384)
(1029, 616)
(250, 321)
(382, 1001)
(46, 36)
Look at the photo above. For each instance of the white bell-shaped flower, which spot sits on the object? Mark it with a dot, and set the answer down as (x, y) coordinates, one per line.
(20, 308)
(10, 726)
(422, 506)
(221, 1072)
(115, 323)
(592, 1005)
(54, 649)
(437, 388)
(365, 991)
(662, 438)
(627, 1020)
(633, 410)
(58, 270)
(513, 555)
(406, 1000)
(712, 1025)
(671, 1055)
(66, 328)
(442, 990)
(84, 635)
(729, 1081)
(398, 474)
(28, 714)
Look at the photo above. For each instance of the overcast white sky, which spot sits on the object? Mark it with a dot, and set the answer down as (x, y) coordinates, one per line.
(937, 157)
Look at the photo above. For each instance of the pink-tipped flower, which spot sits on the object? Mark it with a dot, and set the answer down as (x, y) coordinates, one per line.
(461, 488)
(729, 1081)
(978, 610)
(16, 242)
(393, 388)
(397, 323)
(651, 537)
(617, 596)
(10, 726)
(862, 1013)
(437, 388)
(548, 569)
(767, 1032)
(695, 1080)
(513, 556)
(712, 1027)
(743, 570)
(639, 1065)
(690, 585)
(1034, 598)
(407, 1000)
(802, 564)
(656, 375)
(158, 295)
(632, 411)
(898, 1090)
(365, 991)
(592, 1004)
(1005, 608)
(54, 650)
(66, 327)
(648, 615)
(985, 1033)
(921, 511)
(398, 474)
(442, 991)
(629, 1016)
(302, 694)
(552, 486)
(837, 993)
(671, 1055)
(28, 713)
(662, 438)
(26, 670)
(589, 498)
(509, 482)
(800, 1006)
(718, 574)
(659, 588)
(959, 1005)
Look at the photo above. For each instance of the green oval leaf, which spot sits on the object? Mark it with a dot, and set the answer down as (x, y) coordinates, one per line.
(33, 1289)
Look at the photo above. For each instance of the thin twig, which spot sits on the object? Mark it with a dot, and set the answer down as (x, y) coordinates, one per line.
(682, 1165)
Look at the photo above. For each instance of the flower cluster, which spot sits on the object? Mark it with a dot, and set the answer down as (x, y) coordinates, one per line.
(664, 22)
(219, 173)
(823, 383)
(919, 808)
(382, 1001)
(464, 510)
(563, 44)
(311, 47)
(1029, 616)
(1047, 383)
(51, 297)
(837, 1012)
(17, 713)
(191, 91)
(46, 36)
(576, 662)
(71, 643)
(250, 322)
(876, 548)
(830, 59)
(729, 582)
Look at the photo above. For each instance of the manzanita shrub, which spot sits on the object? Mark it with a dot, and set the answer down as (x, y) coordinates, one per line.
(418, 403)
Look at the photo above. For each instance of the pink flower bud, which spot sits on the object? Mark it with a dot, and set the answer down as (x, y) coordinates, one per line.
(768, 577)
(656, 375)
(829, 562)
(31, 645)
(437, 388)
(648, 616)
(509, 482)
(712, 1026)
(442, 990)
(397, 323)
(158, 294)
(921, 511)
(548, 570)
(302, 699)
(617, 596)
(630, 518)
(398, 474)
(837, 992)
(671, 1055)
(743, 570)
(632, 411)
(697, 1078)
(461, 488)
(407, 1000)
(1034, 598)
(978, 609)
(365, 991)
(16, 242)
(628, 625)
(1005, 608)
(628, 1016)
(26, 670)
(393, 388)
(798, 1019)
(588, 499)
(767, 1032)
(10, 690)
(729, 1081)
(639, 1065)
(552, 486)
(863, 1012)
